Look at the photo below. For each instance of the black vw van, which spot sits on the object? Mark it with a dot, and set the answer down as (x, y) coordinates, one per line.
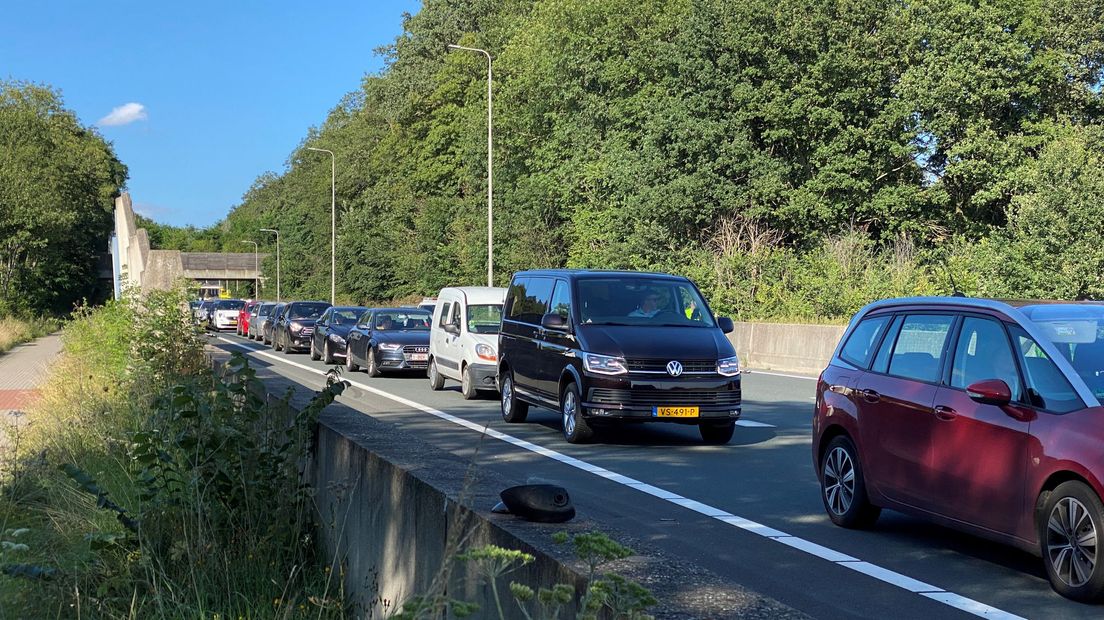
(610, 347)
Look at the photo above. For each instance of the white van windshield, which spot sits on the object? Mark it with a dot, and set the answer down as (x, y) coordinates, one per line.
(484, 319)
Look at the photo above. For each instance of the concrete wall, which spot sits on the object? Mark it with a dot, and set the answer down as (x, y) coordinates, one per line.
(784, 347)
(393, 523)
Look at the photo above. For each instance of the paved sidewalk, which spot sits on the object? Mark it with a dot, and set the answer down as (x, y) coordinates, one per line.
(22, 369)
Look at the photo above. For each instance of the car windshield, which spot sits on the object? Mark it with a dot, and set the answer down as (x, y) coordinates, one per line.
(1077, 331)
(307, 311)
(266, 309)
(230, 304)
(655, 302)
(484, 319)
(402, 320)
(346, 316)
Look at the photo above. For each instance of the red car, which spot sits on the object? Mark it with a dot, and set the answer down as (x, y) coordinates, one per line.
(981, 415)
(243, 317)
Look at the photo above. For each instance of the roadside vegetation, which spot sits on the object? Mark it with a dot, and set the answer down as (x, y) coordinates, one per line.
(58, 179)
(14, 331)
(797, 158)
(143, 485)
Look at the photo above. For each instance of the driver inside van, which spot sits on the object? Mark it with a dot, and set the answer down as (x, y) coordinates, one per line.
(649, 306)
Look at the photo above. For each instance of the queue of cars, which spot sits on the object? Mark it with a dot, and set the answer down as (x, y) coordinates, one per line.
(982, 415)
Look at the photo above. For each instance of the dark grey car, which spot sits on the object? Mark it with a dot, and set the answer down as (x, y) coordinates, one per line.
(389, 339)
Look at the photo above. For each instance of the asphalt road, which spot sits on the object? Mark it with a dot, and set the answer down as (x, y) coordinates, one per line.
(749, 511)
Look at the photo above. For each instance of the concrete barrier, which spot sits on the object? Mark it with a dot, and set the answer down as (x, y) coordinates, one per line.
(786, 347)
(395, 523)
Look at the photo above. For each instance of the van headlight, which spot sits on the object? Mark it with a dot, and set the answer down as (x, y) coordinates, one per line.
(729, 366)
(604, 364)
(486, 352)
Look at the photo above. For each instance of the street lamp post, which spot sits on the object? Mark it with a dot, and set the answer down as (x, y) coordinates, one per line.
(273, 230)
(256, 270)
(333, 223)
(490, 167)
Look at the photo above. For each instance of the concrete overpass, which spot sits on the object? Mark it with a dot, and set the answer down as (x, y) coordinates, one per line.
(134, 264)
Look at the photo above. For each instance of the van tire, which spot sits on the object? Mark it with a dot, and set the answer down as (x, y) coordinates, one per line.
(513, 410)
(436, 379)
(467, 385)
(717, 434)
(1056, 507)
(575, 427)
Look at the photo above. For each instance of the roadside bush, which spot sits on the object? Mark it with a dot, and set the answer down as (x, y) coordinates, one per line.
(14, 330)
(750, 274)
(145, 486)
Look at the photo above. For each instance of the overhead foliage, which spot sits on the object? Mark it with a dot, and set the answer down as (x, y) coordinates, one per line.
(628, 133)
(57, 182)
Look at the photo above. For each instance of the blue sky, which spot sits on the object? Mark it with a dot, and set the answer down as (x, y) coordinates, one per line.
(224, 90)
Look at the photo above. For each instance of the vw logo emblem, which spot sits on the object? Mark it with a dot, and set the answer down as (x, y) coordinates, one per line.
(674, 368)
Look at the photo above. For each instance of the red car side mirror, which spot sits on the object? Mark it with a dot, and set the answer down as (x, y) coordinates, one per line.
(990, 392)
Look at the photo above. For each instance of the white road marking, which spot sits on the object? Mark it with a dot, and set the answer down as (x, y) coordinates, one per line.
(753, 424)
(884, 575)
(752, 371)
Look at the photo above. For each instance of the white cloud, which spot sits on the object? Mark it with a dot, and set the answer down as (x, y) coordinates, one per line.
(124, 115)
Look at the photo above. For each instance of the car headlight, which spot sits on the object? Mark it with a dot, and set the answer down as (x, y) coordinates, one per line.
(486, 352)
(729, 366)
(604, 364)
(389, 346)
(295, 328)
(338, 339)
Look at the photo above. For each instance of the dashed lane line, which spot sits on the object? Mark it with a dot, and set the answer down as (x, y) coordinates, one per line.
(884, 575)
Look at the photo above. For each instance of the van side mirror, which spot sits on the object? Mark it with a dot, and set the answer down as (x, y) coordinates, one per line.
(553, 320)
(725, 324)
(990, 392)
(452, 328)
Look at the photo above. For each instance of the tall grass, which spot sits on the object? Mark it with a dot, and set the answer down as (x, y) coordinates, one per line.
(15, 330)
(145, 486)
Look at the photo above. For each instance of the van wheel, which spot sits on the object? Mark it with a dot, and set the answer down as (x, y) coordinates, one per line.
(717, 434)
(843, 486)
(327, 353)
(350, 365)
(314, 354)
(575, 427)
(436, 379)
(1070, 527)
(513, 410)
(467, 385)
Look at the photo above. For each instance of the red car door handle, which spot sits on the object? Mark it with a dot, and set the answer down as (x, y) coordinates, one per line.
(945, 413)
(871, 396)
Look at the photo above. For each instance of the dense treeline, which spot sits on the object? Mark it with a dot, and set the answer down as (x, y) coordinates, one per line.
(58, 179)
(797, 157)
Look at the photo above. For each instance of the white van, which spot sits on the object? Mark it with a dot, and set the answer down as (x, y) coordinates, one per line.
(463, 338)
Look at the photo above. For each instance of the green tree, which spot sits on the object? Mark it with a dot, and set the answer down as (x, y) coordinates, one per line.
(58, 180)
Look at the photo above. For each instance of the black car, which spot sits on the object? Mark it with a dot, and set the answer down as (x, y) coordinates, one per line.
(332, 330)
(389, 339)
(268, 330)
(295, 325)
(611, 347)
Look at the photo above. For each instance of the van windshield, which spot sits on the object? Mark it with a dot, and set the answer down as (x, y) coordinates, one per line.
(1077, 331)
(484, 319)
(657, 302)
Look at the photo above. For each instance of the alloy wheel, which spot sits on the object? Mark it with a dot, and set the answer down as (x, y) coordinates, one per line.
(569, 407)
(507, 395)
(1071, 542)
(839, 481)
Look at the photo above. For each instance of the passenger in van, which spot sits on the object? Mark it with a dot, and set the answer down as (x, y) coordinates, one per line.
(648, 307)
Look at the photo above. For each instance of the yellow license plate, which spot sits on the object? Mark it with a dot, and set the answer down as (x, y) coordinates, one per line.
(675, 412)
